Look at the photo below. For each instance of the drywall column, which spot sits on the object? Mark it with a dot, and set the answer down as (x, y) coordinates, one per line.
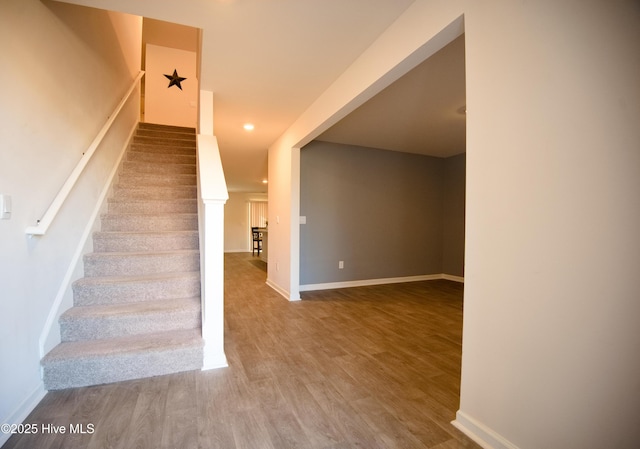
(551, 309)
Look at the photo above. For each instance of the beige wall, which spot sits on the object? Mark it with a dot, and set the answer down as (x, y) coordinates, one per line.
(553, 255)
(236, 222)
(63, 82)
(170, 105)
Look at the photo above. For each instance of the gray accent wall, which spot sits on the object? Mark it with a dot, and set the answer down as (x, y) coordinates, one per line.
(453, 215)
(380, 212)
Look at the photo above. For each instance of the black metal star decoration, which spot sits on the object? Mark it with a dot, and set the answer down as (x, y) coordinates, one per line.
(175, 80)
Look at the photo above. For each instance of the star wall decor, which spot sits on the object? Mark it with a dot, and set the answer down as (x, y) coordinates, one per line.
(175, 80)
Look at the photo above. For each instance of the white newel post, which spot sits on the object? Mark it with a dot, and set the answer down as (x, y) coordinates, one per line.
(213, 195)
(212, 273)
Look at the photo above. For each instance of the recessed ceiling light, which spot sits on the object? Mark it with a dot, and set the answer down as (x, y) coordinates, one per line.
(264, 181)
(248, 126)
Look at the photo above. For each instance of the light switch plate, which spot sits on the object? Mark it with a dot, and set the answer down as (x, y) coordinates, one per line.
(5, 207)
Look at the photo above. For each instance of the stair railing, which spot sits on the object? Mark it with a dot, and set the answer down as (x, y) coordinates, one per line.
(43, 224)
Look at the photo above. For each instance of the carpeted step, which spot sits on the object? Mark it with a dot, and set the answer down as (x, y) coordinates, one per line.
(157, 179)
(129, 168)
(164, 141)
(160, 148)
(140, 263)
(119, 289)
(118, 320)
(95, 362)
(142, 206)
(169, 134)
(104, 241)
(149, 222)
(155, 192)
(159, 127)
(144, 156)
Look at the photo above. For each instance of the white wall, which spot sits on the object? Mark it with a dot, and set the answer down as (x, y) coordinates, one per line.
(65, 79)
(170, 105)
(236, 221)
(553, 173)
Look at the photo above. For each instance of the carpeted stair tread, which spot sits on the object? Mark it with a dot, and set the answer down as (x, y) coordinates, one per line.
(115, 320)
(164, 141)
(132, 167)
(95, 362)
(140, 262)
(157, 179)
(155, 192)
(132, 206)
(150, 222)
(162, 148)
(184, 135)
(145, 156)
(135, 288)
(161, 127)
(124, 241)
(157, 341)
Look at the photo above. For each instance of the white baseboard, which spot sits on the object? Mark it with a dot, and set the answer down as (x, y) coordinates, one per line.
(450, 277)
(215, 361)
(380, 281)
(480, 433)
(20, 414)
(284, 293)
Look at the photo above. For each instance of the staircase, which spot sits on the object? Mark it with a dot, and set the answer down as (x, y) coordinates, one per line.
(136, 312)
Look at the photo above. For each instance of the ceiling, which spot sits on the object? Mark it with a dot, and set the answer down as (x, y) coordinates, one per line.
(267, 61)
(423, 112)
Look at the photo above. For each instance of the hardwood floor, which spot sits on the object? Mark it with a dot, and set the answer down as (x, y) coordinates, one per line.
(371, 367)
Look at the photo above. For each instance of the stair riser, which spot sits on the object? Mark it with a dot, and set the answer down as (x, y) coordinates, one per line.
(132, 168)
(179, 206)
(156, 127)
(86, 294)
(141, 156)
(148, 179)
(142, 223)
(144, 242)
(163, 149)
(166, 134)
(95, 371)
(164, 142)
(105, 264)
(94, 328)
(155, 192)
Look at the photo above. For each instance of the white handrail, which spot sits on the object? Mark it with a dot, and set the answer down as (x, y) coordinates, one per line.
(43, 224)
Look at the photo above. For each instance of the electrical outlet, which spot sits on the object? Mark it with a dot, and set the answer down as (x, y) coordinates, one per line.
(341, 264)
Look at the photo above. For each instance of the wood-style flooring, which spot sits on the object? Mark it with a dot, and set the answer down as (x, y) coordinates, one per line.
(371, 367)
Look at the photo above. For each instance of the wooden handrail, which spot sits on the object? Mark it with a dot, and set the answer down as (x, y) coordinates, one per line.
(43, 224)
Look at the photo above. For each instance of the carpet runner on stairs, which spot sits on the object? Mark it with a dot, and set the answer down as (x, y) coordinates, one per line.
(136, 312)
